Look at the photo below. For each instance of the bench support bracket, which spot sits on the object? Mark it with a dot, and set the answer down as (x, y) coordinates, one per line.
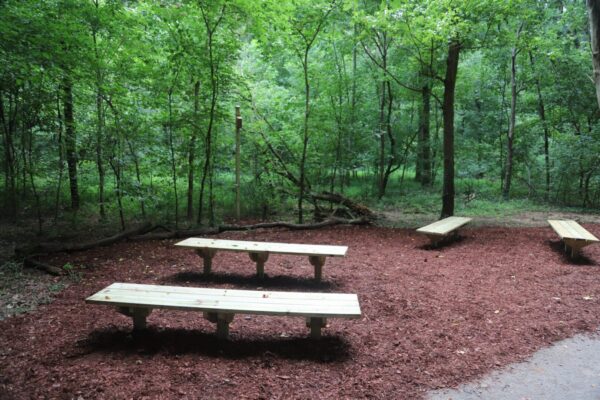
(222, 320)
(138, 314)
(315, 324)
(574, 246)
(207, 255)
(259, 259)
(317, 262)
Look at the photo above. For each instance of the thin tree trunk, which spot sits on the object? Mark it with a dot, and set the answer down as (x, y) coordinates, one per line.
(424, 155)
(448, 114)
(61, 160)
(172, 153)
(70, 141)
(542, 114)
(192, 153)
(214, 88)
(512, 119)
(100, 121)
(305, 135)
(593, 7)
(8, 125)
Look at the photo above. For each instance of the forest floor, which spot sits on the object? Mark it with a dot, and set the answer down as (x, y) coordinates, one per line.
(432, 318)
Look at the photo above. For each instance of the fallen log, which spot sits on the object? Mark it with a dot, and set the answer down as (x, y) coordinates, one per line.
(355, 207)
(71, 247)
(265, 225)
(30, 262)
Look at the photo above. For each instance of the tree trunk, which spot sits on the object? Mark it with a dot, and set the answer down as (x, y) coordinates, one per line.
(593, 7)
(70, 141)
(61, 161)
(7, 118)
(424, 155)
(305, 135)
(513, 115)
(448, 115)
(100, 122)
(172, 153)
(542, 114)
(192, 154)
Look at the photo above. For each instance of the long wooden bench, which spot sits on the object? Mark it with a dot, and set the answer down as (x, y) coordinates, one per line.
(220, 305)
(574, 236)
(440, 230)
(259, 252)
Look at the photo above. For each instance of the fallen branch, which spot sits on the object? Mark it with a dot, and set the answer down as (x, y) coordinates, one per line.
(356, 208)
(29, 262)
(224, 228)
(70, 247)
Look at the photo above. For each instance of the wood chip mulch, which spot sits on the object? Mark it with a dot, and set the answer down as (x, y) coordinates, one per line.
(431, 318)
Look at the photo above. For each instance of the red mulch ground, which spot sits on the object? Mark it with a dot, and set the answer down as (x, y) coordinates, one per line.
(431, 318)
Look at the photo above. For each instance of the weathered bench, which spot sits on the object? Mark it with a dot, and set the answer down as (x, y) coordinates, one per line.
(574, 236)
(440, 230)
(220, 305)
(259, 252)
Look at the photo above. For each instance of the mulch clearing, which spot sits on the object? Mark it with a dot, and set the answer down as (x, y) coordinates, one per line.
(431, 318)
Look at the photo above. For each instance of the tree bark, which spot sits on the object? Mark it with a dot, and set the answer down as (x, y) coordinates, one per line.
(448, 116)
(593, 7)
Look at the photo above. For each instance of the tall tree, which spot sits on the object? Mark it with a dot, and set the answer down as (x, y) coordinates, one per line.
(593, 7)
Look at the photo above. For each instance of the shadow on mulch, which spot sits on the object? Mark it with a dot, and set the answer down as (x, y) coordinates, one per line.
(278, 281)
(183, 341)
(559, 247)
(449, 242)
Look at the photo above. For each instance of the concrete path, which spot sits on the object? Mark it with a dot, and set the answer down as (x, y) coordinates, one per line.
(570, 369)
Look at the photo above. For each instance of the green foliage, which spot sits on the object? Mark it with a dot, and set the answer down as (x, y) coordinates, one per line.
(155, 85)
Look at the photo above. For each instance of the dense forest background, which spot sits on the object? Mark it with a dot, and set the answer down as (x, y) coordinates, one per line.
(126, 110)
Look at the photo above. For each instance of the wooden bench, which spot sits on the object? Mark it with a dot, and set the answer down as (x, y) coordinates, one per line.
(220, 305)
(259, 252)
(573, 235)
(440, 230)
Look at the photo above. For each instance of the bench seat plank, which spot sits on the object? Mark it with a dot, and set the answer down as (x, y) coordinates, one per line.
(259, 252)
(229, 301)
(267, 247)
(444, 226)
(571, 230)
(573, 235)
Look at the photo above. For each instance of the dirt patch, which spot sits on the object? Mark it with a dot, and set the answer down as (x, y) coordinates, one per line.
(431, 318)
(22, 290)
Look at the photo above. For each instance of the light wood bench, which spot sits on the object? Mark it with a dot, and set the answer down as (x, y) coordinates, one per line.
(220, 305)
(259, 252)
(573, 235)
(440, 230)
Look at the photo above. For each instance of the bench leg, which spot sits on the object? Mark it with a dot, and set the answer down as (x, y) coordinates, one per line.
(317, 262)
(315, 324)
(222, 320)
(259, 259)
(575, 247)
(435, 240)
(207, 255)
(138, 315)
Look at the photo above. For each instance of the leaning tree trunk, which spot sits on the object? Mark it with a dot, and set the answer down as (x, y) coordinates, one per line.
(594, 18)
(448, 113)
